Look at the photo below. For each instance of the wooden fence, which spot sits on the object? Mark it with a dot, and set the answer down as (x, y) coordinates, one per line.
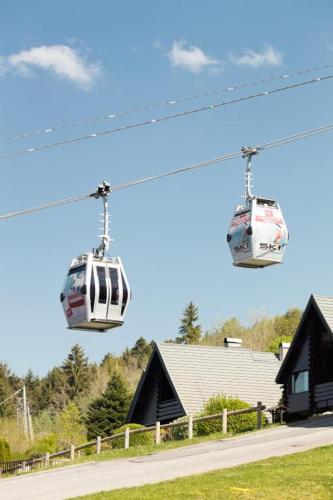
(70, 452)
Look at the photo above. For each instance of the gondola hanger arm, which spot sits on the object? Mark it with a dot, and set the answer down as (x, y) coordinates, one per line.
(103, 191)
(248, 152)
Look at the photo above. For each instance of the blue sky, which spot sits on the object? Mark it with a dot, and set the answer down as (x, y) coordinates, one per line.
(67, 61)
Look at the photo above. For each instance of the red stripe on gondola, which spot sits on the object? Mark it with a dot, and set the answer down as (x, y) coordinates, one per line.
(76, 300)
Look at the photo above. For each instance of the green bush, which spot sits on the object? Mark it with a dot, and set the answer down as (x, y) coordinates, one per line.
(181, 432)
(236, 423)
(144, 439)
(45, 444)
(5, 454)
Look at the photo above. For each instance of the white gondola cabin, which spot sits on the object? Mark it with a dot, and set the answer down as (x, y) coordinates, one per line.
(258, 234)
(96, 293)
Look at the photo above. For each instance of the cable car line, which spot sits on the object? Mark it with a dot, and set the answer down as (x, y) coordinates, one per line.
(164, 118)
(230, 156)
(58, 203)
(272, 144)
(169, 102)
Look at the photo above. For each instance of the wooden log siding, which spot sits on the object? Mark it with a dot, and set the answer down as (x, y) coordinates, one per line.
(323, 395)
(168, 410)
(298, 402)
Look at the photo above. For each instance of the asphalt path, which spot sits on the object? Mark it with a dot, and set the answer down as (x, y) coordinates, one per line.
(93, 477)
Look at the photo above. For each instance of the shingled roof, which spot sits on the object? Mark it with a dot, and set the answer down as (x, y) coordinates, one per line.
(325, 305)
(195, 373)
(198, 372)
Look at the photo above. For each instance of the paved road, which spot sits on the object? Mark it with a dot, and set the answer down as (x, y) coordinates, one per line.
(93, 477)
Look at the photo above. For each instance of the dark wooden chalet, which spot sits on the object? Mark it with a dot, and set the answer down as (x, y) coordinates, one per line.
(179, 379)
(307, 369)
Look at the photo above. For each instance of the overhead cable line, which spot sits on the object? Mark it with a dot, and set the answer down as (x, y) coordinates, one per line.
(164, 118)
(229, 156)
(163, 104)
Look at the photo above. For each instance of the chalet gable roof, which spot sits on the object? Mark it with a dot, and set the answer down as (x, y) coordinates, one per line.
(323, 306)
(198, 372)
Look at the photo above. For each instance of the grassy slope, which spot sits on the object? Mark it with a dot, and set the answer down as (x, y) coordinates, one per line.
(307, 475)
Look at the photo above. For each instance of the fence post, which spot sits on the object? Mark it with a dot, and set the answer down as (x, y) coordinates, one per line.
(98, 444)
(127, 438)
(259, 414)
(158, 433)
(72, 452)
(47, 459)
(190, 426)
(224, 421)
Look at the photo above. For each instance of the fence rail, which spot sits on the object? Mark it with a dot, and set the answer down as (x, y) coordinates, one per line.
(48, 458)
(14, 466)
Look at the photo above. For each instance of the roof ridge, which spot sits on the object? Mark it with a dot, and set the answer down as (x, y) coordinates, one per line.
(226, 349)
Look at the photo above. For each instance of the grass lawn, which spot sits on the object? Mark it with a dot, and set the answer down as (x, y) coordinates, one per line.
(307, 475)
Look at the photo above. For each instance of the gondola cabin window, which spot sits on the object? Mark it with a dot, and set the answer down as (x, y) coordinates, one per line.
(102, 285)
(300, 382)
(113, 272)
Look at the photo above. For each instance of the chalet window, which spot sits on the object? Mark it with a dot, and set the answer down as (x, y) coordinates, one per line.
(300, 382)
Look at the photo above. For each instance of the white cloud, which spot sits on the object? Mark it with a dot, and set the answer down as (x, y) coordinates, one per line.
(192, 59)
(268, 57)
(63, 61)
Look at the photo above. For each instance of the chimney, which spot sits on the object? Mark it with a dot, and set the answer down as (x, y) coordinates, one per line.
(283, 349)
(232, 342)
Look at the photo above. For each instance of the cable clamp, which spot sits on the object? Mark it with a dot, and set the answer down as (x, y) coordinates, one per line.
(248, 152)
(103, 190)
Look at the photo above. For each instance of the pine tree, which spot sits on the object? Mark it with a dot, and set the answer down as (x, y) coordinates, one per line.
(35, 394)
(141, 352)
(108, 412)
(77, 372)
(55, 390)
(189, 332)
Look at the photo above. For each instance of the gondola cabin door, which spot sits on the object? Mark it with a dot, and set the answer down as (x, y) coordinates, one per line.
(108, 292)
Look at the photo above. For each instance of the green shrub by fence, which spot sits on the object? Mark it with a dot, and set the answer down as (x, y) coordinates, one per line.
(236, 423)
(144, 439)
